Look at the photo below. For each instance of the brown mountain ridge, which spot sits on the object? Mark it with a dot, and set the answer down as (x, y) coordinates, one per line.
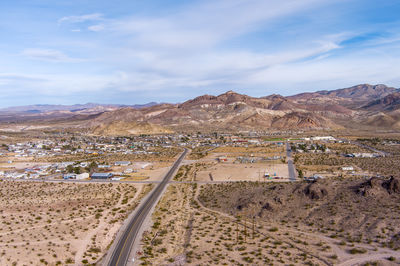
(361, 106)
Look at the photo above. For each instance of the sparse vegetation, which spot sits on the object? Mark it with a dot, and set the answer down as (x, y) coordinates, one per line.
(45, 223)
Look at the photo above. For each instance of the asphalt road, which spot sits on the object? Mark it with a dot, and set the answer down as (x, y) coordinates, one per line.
(122, 250)
(119, 181)
(292, 171)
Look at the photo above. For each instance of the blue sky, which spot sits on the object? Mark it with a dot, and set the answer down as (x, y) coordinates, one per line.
(134, 51)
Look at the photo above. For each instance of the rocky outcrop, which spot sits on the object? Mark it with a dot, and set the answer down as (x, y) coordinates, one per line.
(392, 185)
(377, 186)
(315, 191)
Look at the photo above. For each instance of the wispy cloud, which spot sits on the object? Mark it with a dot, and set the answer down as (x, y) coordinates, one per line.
(96, 28)
(48, 55)
(81, 18)
(208, 46)
(208, 23)
(192, 49)
(9, 77)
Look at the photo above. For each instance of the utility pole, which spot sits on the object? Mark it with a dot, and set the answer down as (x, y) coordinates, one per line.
(237, 232)
(237, 229)
(245, 230)
(253, 227)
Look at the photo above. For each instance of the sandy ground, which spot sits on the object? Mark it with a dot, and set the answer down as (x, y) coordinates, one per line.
(167, 226)
(242, 172)
(58, 223)
(20, 128)
(21, 165)
(184, 232)
(325, 249)
(152, 172)
(156, 174)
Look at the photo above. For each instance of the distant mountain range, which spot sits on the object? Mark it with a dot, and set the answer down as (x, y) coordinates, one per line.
(42, 108)
(359, 107)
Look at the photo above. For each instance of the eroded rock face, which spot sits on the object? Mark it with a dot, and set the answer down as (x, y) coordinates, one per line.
(266, 209)
(315, 191)
(337, 202)
(392, 185)
(372, 187)
(242, 203)
(376, 186)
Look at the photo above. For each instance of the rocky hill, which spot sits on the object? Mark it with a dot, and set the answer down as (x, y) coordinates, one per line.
(363, 92)
(362, 106)
(356, 208)
(389, 102)
(228, 111)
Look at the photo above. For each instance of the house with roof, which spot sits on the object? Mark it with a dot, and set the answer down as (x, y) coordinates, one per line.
(101, 175)
(122, 163)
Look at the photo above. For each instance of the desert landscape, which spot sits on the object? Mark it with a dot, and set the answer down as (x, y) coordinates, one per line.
(362, 107)
(212, 132)
(59, 223)
(326, 223)
(229, 198)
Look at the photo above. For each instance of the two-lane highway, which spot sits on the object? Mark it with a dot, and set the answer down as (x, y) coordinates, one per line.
(122, 250)
(292, 171)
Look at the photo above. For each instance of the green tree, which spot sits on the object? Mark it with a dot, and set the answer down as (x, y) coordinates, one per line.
(92, 166)
(70, 169)
(301, 175)
(77, 170)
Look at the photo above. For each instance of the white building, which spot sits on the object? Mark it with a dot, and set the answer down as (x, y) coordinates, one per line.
(348, 168)
(330, 138)
(82, 176)
(122, 163)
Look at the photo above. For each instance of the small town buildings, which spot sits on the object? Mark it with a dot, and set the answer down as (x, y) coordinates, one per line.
(101, 175)
(64, 164)
(222, 159)
(348, 168)
(122, 163)
(82, 176)
(366, 155)
(69, 176)
(328, 138)
(129, 170)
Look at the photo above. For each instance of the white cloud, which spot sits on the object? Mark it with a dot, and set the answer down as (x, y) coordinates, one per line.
(208, 46)
(96, 28)
(208, 23)
(188, 48)
(47, 55)
(58, 84)
(328, 73)
(189, 45)
(82, 18)
(9, 78)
